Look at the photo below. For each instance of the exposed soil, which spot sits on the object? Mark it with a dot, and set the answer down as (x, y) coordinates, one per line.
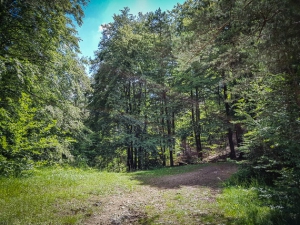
(189, 193)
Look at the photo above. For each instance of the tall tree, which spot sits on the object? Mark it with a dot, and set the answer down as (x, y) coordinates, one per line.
(160, 27)
(258, 71)
(38, 44)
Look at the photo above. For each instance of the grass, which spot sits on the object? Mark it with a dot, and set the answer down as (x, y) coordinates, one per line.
(56, 195)
(166, 171)
(68, 196)
(244, 206)
(245, 200)
(184, 205)
(187, 206)
(240, 202)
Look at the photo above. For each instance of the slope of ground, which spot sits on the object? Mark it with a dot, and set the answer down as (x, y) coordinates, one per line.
(186, 198)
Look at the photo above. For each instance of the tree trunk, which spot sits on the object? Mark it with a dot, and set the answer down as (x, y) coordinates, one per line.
(131, 157)
(232, 154)
(129, 165)
(171, 155)
(163, 150)
(239, 134)
(139, 162)
(170, 142)
(171, 148)
(229, 133)
(198, 128)
(135, 158)
(196, 122)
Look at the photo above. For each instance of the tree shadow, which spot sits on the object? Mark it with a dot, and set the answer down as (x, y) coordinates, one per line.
(149, 220)
(210, 176)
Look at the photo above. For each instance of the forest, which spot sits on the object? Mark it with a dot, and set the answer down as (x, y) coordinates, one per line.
(164, 88)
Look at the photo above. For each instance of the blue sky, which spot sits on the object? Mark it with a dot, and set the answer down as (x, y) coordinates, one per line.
(101, 12)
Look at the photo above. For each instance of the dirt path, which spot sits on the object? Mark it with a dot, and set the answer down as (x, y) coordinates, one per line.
(187, 198)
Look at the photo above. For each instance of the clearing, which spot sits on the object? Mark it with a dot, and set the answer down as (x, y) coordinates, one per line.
(185, 198)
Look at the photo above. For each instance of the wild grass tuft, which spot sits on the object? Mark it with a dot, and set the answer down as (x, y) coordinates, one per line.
(244, 206)
(245, 200)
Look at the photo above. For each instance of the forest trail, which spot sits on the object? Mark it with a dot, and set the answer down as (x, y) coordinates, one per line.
(186, 198)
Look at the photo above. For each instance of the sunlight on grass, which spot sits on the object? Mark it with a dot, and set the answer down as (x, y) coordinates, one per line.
(58, 195)
(166, 171)
(244, 206)
(187, 205)
(67, 196)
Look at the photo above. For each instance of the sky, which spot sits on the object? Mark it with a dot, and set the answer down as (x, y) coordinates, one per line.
(99, 12)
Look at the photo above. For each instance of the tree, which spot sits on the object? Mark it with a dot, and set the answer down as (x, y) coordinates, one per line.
(256, 64)
(38, 46)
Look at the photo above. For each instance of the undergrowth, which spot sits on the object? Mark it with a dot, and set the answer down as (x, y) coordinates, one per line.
(247, 200)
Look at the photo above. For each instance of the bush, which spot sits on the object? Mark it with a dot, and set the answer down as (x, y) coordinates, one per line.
(14, 168)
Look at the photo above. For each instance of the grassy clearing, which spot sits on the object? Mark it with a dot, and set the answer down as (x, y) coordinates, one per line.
(56, 195)
(69, 196)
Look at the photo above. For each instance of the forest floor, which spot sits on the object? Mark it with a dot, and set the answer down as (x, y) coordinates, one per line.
(185, 198)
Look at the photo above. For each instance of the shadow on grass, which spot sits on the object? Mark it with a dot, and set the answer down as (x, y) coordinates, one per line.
(148, 220)
(205, 175)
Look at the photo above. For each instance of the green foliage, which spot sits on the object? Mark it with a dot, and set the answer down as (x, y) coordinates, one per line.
(25, 136)
(257, 201)
(226, 55)
(42, 83)
(130, 110)
(161, 82)
(239, 41)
